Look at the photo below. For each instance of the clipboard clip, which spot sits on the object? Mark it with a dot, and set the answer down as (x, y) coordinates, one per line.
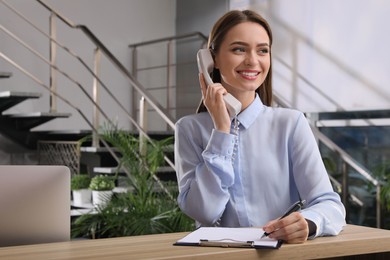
(226, 243)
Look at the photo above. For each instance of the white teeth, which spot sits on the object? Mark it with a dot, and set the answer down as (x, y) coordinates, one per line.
(249, 74)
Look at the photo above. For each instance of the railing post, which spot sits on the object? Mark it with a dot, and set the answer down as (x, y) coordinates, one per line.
(294, 72)
(143, 122)
(96, 97)
(345, 189)
(134, 69)
(169, 63)
(53, 61)
(378, 206)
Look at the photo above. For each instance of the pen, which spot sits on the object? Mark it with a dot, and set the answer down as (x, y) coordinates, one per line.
(295, 207)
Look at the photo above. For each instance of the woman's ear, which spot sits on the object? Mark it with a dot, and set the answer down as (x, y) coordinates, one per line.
(215, 62)
(213, 54)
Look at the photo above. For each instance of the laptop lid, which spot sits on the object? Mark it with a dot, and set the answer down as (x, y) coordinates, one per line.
(34, 204)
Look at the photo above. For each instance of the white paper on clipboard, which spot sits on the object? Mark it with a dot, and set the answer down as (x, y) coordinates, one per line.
(229, 237)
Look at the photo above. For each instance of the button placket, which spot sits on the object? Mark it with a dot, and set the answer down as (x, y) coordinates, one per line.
(235, 131)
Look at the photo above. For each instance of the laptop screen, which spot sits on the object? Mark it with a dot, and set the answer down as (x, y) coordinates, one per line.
(34, 204)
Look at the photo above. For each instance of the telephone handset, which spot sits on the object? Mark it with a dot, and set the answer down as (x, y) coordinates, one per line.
(206, 65)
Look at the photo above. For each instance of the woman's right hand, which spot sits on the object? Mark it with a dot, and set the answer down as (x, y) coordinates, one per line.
(213, 100)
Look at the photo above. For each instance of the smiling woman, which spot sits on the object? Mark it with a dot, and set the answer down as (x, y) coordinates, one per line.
(248, 171)
(243, 60)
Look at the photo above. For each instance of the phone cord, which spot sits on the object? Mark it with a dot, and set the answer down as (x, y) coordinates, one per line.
(236, 124)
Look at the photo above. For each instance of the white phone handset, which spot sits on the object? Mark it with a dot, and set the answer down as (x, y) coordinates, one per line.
(206, 65)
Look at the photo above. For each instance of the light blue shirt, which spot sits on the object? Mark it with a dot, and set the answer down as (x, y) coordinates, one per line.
(251, 178)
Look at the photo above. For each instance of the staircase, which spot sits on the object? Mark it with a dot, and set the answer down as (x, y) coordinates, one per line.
(365, 135)
(17, 126)
(94, 155)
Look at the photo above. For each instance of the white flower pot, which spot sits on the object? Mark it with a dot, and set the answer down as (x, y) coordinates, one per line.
(81, 197)
(100, 198)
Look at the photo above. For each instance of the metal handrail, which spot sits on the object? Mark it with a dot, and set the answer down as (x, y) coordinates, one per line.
(346, 158)
(54, 93)
(309, 83)
(94, 130)
(73, 55)
(151, 100)
(39, 82)
(170, 38)
(331, 58)
(334, 147)
(169, 64)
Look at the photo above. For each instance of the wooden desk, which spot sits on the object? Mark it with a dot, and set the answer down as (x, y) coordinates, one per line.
(354, 240)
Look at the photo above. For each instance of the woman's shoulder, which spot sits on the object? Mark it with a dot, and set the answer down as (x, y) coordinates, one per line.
(285, 113)
(286, 118)
(202, 118)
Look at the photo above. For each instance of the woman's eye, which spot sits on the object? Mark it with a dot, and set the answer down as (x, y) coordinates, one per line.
(263, 51)
(238, 49)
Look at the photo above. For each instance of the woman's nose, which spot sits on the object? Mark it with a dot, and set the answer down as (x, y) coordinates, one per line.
(250, 58)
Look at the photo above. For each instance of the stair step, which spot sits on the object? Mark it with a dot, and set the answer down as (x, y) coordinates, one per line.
(38, 114)
(92, 149)
(9, 99)
(360, 114)
(29, 139)
(4, 74)
(113, 170)
(25, 121)
(62, 135)
(107, 170)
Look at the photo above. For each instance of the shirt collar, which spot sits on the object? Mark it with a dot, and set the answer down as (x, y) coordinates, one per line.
(249, 115)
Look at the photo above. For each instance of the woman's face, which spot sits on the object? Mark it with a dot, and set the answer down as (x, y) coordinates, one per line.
(243, 58)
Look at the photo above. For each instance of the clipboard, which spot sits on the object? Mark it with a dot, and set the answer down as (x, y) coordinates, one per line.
(229, 237)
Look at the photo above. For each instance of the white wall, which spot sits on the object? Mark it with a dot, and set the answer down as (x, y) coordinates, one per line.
(116, 23)
(189, 13)
(351, 57)
(351, 33)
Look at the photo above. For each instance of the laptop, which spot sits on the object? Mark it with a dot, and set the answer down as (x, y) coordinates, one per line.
(34, 204)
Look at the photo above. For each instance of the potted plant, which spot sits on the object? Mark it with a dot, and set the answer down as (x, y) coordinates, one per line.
(102, 189)
(382, 173)
(147, 208)
(80, 189)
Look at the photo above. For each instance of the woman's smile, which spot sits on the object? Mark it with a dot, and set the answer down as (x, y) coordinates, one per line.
(248, 74)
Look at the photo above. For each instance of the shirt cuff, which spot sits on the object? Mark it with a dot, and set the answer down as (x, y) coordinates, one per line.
(312, 216)
(221, 143)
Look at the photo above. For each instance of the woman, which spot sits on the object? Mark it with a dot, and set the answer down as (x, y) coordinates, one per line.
(249, 170)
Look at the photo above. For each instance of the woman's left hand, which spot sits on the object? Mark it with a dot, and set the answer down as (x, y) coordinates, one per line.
(293, 229)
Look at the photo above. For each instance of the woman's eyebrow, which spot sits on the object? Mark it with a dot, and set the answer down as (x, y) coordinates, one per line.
(246, 44)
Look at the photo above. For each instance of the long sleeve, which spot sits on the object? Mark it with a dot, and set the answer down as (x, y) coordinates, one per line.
(323, 207)
(204, 174)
